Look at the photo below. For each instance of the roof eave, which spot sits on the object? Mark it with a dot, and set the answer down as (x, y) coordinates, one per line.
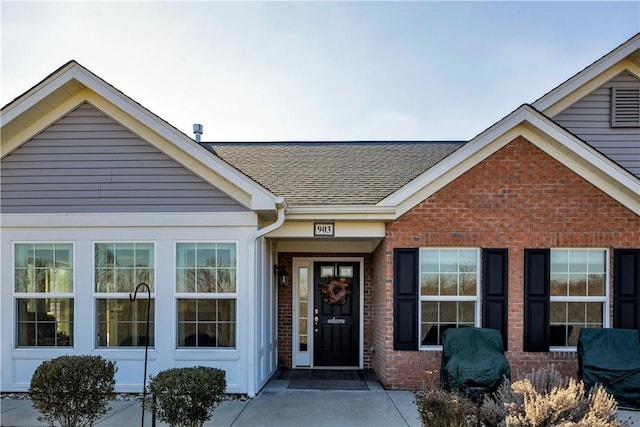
(627, 50)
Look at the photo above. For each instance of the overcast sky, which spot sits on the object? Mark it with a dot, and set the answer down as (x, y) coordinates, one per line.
(267, 71)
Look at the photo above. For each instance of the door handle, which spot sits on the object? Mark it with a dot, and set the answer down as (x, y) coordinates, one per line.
(315, 323)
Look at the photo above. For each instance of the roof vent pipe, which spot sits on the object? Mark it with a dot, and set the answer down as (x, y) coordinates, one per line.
(197, 130)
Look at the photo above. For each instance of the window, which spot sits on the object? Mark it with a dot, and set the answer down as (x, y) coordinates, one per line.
(449, 294)
(118, 269)
(206, 294)
(578, 293)
(43, 289)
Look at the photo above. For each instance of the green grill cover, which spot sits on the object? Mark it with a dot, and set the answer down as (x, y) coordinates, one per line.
(611, 357)
(472, 360)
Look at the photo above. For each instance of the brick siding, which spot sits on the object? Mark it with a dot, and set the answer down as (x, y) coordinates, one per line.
(518, 198)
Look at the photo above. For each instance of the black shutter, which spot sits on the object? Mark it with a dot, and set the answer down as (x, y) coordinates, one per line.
(495, 285)
(405, 298)
(626, 282)
(536, 299)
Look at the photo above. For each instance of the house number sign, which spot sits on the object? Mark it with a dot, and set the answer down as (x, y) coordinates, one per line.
(324, 229)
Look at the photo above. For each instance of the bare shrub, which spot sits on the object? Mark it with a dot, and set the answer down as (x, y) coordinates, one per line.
(445, 409)
(546, 398)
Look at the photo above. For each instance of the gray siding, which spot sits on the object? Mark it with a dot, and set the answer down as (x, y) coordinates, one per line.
(88, 163)
(590, 119)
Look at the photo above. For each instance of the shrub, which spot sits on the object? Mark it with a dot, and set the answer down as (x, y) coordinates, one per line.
(547, 398)
(72, 390)
(185, 397)
(445, 409)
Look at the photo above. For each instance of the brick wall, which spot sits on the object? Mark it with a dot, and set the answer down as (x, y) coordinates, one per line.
(518, 198)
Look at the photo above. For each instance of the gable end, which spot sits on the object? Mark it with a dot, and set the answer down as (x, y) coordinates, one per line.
(87, 162)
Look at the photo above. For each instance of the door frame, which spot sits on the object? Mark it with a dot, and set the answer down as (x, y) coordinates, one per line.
(305, 359)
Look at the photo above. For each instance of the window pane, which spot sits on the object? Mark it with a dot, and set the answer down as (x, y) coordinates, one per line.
(559, 261)
(468, 261)
(448, 284)
(577, 284)
(125, 255)
(468, 284)
(448, 261)
(206, 255)
(123, 323)
(43, 267)
(597, 261)
(429, 261)
(596, 285)
(559, 285)
(558, 312)
(44, 322)
(121, 267)
(429, 311)
(576, 312)
(577, 261)
(206, 322)
(429, 284)
(206, 280)
(594, 313)
(206, 267)
(448, 312)
(467, 312)
(226, 280)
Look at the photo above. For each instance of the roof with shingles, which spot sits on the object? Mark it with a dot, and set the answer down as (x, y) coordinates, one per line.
(333, 173)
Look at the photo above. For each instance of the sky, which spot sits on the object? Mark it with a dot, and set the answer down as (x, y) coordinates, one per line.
(317, 71)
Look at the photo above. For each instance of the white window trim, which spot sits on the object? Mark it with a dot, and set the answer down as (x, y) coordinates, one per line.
(26, 295)
(476, 297)
(603, 299)
(198, 295)
(119, 295)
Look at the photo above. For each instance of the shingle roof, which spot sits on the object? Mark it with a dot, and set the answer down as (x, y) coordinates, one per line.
(333, 173)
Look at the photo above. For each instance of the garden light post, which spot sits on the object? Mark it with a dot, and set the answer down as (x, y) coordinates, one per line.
(146, 344)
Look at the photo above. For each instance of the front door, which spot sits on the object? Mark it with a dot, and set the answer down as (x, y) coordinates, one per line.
(336, 313)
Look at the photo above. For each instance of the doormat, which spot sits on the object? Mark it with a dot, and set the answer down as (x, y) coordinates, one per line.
(324, 379)
(327, 385)
(321, 374)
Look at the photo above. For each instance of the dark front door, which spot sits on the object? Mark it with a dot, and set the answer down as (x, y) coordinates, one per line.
(336, 313)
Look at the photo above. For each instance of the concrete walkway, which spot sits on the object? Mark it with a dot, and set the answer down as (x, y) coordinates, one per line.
(275, 405)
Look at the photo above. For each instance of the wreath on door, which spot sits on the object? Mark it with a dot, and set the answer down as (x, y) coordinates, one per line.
(335, 290)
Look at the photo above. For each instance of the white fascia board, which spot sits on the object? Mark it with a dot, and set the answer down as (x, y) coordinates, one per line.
(571, 96)
(38, 93)
(344, 212)
(261, 199)
(598, 67)
(584, 160)
(136, 220)
(238, 185)
(43, 122)
(458, 162)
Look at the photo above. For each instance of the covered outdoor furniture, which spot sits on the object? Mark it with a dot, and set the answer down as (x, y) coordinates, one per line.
(473, 361)
(611, 357)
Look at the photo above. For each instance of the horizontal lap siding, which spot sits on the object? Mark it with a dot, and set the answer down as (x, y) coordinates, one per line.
(88, 163)
(590, 119)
